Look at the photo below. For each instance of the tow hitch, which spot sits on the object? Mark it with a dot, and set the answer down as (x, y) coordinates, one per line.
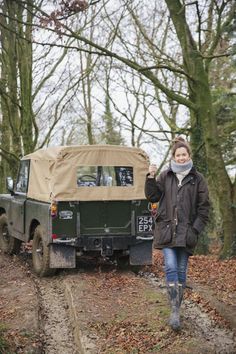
(107, 247)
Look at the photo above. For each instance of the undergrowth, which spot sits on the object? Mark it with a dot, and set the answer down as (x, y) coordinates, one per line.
(4, 347)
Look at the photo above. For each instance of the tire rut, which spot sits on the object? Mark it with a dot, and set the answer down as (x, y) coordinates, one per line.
(60, 318)
(221, 340)
(56, 327)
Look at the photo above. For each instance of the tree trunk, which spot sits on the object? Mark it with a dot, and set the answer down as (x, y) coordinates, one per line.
(24, 54)
(10, 139)
(217, 175)
(200, 162)
(200, 93)
(16, 71)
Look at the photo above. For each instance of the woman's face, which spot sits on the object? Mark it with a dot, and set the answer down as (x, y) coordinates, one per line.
(181, 155)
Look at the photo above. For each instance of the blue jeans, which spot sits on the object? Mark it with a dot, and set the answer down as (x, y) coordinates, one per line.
(176, 264)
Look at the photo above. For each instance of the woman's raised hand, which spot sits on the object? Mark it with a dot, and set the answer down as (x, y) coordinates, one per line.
(152, 170)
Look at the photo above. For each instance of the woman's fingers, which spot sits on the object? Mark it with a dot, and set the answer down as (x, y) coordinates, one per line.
(152, 169)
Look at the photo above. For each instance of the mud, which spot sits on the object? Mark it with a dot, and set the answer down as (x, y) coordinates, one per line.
(56, 325)
(94, 310)
(220, 340)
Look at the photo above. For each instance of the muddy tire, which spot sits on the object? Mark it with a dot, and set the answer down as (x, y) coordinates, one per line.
(41, 254)
(123, 262)
(8, 243)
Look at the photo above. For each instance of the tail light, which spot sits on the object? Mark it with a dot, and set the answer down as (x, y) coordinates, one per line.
(53, 209)
(153, 208)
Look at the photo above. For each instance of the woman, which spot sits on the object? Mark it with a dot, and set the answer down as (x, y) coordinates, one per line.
(182, 214)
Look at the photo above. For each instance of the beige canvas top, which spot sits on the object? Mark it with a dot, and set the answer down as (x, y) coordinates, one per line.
(53, 172)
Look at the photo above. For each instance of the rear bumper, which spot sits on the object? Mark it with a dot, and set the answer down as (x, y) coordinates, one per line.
(106, 244)
(63, 252)
(96, 243)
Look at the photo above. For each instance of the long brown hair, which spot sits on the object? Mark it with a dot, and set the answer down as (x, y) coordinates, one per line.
(179, 142)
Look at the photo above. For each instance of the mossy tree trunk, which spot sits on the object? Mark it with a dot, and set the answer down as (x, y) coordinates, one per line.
(10, 137)
(29, 129)
(18, 130)
(200, 162)
(205, 120)
(4, 126)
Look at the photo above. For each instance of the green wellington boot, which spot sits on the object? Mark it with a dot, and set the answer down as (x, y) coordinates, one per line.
(181, 293)
(173, 292)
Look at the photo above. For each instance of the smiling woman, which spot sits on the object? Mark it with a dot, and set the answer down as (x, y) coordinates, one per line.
(183, 210)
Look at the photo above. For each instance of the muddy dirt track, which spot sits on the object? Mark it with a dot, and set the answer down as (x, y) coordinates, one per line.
(99, 309)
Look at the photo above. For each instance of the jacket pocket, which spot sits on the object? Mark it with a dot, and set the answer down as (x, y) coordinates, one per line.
(192, 237)
(162, 233)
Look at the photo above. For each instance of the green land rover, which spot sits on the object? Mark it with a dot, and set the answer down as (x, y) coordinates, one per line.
(78, 200)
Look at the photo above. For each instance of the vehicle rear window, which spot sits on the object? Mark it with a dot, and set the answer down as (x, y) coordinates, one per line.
(118, 176)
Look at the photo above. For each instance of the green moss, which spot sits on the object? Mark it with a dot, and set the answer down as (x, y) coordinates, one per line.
(159, 302)
(27, 334)
(3, 343)
(156, 348)
(154, 296)
(121, 316)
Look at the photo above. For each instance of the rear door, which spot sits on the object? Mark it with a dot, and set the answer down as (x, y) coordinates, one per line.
(110, 217)
(106, 218)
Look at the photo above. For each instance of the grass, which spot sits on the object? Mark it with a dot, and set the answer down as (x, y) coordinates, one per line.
(4, 347)
(160, 304)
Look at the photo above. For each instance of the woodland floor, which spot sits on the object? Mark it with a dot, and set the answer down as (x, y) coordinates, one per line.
(101, 309)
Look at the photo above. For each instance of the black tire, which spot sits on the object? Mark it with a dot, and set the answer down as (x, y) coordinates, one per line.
(41, 254)
(123, 262)
(8, 243)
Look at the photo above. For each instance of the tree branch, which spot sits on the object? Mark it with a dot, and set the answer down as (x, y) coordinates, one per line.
(220, 28)
(167, 67)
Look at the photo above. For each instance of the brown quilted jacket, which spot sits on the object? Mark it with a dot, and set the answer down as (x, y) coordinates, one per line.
(182, 211)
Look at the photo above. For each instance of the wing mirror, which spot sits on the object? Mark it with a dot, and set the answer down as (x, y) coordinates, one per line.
(10, 184)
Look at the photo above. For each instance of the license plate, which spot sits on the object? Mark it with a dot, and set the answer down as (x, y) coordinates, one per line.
(144, 224)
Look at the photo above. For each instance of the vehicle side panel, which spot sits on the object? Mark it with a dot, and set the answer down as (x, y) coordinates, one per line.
(21, 213)
(37, 212)
(13, 206)
(5, 203)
